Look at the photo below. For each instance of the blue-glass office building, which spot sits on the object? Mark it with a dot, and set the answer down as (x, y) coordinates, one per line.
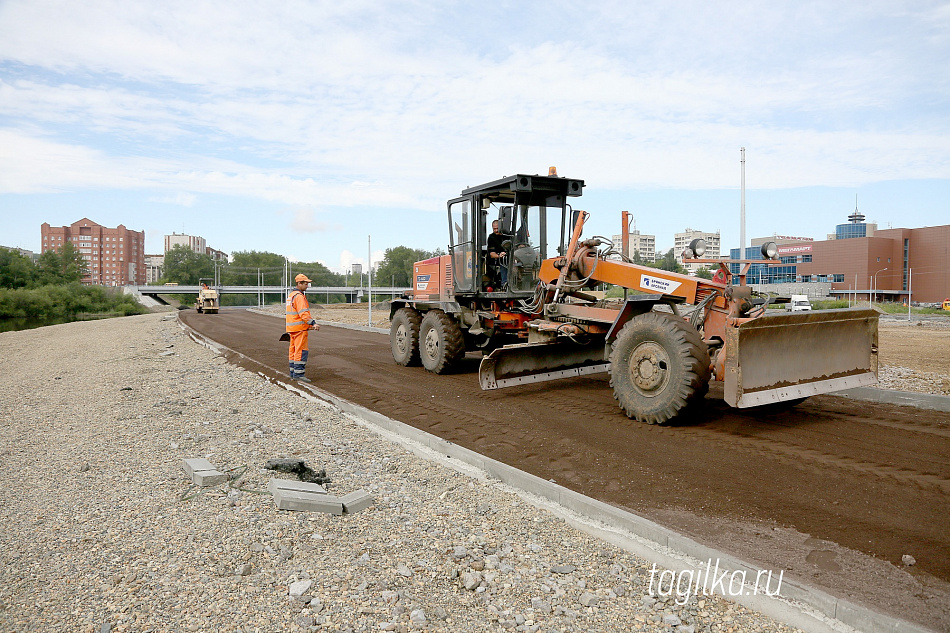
(761, 273)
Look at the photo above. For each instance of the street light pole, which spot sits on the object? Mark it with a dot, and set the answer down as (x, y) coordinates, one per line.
(910, 287)
(369, 277)
(875, 280)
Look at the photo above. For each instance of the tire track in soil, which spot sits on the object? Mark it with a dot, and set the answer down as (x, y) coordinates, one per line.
(783, 443)
(872, 478)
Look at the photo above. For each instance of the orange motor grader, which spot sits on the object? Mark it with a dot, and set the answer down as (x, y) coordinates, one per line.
(534, 318)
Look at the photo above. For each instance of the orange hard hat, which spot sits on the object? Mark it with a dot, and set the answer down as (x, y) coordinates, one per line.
(301, 277)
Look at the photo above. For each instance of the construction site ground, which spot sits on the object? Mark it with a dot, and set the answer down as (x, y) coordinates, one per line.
(834, 492)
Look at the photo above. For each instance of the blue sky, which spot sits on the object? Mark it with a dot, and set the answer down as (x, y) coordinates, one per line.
(302, 128)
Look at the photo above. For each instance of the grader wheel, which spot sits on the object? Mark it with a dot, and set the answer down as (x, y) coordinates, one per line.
(441, 345)
(404, 337)
(659, 367)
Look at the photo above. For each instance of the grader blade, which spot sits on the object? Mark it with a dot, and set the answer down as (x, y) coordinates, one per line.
(783, 357)
(527, 363)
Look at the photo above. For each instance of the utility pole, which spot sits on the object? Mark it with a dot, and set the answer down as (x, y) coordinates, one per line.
(742, 205)
(369, 275)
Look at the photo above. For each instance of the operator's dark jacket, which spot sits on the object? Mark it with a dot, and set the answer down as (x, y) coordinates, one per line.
(494, 246)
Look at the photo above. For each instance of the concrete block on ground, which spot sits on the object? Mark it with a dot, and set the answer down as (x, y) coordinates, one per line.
(307, 501)
(197, 463)
(356, 501)
(203, 473)
(205, 478)
(291, 484)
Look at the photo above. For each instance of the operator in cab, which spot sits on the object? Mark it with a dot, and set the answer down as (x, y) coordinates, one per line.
(496, 254)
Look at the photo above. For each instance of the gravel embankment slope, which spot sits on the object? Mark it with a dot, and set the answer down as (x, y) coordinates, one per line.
(113, 543)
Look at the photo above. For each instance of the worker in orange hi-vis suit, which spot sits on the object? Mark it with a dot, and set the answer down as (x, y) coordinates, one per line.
(299, 324)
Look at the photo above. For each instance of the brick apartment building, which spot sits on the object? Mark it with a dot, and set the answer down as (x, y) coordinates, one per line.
(115, 257)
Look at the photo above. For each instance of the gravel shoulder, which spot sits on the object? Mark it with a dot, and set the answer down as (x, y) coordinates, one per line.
(915, 355)
(97, 417)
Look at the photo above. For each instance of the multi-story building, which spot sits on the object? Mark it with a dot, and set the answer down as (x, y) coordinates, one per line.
(682, 240)
(637, 242)
(195, 243)
(115, 257)
(890, 265)
(154, 267)
(862, 261)
(854, 227)
(791, 250)
(215, 254)
(22, 251)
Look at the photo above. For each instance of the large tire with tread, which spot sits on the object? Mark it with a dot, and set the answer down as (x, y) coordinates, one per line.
(659, 367)
(441, 344)
(404, 337)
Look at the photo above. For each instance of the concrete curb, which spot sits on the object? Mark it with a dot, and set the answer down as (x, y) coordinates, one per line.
(799, 605)
(904, 398)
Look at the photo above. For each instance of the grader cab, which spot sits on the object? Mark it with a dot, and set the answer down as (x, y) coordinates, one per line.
(536, 320)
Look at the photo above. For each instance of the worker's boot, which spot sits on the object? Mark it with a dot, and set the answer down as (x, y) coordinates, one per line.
(300, 372)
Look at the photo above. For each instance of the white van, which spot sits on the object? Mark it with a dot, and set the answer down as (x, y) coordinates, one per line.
(798, 303)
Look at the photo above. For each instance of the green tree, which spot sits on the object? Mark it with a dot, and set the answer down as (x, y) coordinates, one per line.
(668, 262)
(257, 259)
(47, 268)
(74, 265)
(62, 267)
(396, 267)
(247, 267)
(16, 270)
(186, 267)
(704, 273)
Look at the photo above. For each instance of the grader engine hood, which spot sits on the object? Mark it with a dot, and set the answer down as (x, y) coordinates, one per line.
(800, 354)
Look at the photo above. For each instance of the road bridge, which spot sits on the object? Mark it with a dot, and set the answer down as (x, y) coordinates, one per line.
(352, 294)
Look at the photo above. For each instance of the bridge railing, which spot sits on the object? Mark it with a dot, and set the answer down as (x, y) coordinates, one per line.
(253, 290)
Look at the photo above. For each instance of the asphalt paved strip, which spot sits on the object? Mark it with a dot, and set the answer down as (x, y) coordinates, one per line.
(798, 604)
(873, 478)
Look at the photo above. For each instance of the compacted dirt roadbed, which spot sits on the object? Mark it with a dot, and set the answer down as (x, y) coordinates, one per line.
(833, 491)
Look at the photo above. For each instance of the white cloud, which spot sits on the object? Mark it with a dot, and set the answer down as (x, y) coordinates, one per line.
(348, 258)
(181, 198)
(304, 221)
(320, 105)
